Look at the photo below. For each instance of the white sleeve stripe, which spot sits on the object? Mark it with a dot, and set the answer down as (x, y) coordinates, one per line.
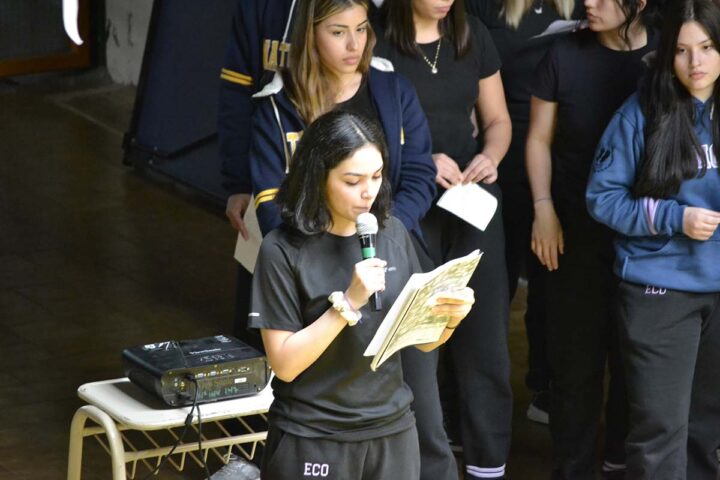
(479, 472)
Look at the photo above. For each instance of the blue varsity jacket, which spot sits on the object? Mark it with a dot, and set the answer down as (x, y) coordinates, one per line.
(258, 46)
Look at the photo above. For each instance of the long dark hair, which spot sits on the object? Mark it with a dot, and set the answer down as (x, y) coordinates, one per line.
(397, 16)
(632, 9)
(671, 146)
(330, 139)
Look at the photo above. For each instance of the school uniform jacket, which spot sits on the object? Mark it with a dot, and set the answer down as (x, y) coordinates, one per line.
(259, 45)
(277, 128)
(652, 248)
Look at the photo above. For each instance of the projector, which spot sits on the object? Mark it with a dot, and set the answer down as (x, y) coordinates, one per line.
(222, 367)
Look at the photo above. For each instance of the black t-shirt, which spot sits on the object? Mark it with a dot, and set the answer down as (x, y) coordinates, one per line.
(588, 82)
(448, 96)
(338, 396)
(520, 51)
(360, 104)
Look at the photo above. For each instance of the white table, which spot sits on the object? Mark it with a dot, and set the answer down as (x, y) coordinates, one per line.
(117, 406)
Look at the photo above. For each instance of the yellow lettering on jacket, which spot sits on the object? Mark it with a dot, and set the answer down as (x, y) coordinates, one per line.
(275, 54)
(293, 138)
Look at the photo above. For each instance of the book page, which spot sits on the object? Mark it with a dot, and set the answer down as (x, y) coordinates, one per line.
(410, 320)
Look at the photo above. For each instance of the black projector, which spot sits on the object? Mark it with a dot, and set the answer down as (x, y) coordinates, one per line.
(223, 367)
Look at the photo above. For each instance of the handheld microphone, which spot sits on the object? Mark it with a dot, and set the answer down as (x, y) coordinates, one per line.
(367, 228)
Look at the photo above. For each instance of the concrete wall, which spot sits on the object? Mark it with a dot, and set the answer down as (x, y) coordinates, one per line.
(127, 24)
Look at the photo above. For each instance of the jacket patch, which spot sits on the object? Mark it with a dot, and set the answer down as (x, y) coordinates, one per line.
(603, 159)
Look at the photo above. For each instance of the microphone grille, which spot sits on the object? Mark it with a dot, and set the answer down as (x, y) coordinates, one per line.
(366, 224)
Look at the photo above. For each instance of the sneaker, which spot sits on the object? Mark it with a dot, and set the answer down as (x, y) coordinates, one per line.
(538, 409)
(237, 469)
(456, 447)
(613, 471)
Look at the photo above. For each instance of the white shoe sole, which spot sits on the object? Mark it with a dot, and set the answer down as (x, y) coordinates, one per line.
(537, 415)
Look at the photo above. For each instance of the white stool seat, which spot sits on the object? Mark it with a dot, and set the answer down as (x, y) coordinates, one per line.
(119, 405)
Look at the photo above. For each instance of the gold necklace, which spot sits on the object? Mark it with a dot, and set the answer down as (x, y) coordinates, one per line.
(433, 65)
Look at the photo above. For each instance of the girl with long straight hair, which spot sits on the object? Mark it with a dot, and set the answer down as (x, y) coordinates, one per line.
(316, 82)
(582, 80)
(332, 416)
(519, 29)
(655, 181)
(454, 67)
(331, 68)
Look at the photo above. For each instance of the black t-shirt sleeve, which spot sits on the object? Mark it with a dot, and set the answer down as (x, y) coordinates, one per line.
(275, 297)
(546, 82)
(486, 55)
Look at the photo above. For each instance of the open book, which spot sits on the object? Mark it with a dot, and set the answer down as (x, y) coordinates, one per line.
(410, 320)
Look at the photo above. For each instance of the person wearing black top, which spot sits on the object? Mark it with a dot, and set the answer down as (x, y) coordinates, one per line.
(582, 80)
(331, 67)
(454, 66)
(333, 416)
(518, 29)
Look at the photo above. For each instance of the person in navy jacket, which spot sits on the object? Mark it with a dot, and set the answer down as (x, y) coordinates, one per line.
(655, 182)
(277, 128)
(258, 46)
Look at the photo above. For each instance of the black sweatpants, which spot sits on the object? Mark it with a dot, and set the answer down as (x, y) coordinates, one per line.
(290, 457)
(479, 347)
(582, 340)
(671, 347)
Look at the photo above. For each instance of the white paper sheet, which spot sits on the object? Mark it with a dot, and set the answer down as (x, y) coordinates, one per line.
(563, 26)
(471, 203)
(246, 251)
